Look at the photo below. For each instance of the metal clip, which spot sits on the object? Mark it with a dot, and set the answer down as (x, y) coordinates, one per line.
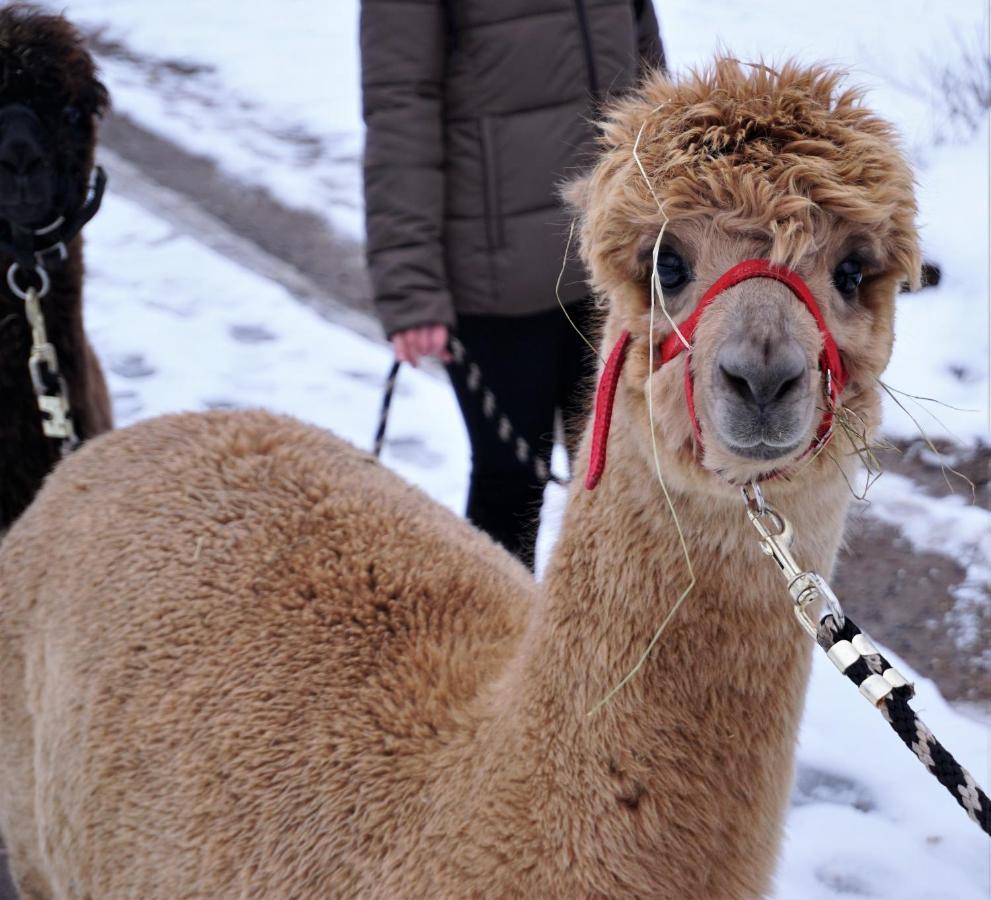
(41, 361)
(55, 420)
(49, 386)
(44, 285)
(36, 318)
(805, 587)
(805, 590)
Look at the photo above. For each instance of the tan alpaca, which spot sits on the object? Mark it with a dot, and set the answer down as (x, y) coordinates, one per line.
(241, 659)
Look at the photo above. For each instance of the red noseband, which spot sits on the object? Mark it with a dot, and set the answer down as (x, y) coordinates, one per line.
(830, 363)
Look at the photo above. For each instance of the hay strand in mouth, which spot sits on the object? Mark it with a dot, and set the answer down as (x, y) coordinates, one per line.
(862, 446)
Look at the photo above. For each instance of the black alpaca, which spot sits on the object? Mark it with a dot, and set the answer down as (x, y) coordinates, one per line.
(50, 100)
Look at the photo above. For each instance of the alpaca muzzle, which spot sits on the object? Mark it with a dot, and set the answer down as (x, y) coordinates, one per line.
(679, 342)
(28, 182)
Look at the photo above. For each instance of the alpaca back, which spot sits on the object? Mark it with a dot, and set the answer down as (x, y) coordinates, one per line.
(234, 646)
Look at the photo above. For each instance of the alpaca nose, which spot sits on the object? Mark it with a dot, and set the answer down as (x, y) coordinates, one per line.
(762, 375)
(20, 156)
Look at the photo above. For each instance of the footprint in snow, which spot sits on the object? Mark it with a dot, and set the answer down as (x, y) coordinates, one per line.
(251, 334)
(220, 403)
(131, 365)
(413, 450)
(820, 786)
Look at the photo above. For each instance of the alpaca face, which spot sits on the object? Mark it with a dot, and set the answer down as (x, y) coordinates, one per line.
(50, 99)
(745, 163)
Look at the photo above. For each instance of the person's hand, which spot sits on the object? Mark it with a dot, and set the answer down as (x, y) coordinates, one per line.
(424, 340)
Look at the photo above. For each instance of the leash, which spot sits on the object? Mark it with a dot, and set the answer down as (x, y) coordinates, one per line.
(855, 656)
(34, 250)
(490, 409)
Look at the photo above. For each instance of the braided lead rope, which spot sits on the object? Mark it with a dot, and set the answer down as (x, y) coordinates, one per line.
(855, 655)
(490, 409)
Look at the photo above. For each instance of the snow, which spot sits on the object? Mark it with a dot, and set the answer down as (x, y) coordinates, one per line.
(181, 327)
(275, 101)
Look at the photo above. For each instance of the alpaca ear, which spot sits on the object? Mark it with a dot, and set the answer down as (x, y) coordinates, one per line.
(94, 98)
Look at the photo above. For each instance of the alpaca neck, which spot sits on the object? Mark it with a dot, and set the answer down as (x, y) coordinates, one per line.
(682, 777)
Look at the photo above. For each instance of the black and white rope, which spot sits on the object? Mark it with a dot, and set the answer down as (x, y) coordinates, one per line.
(490, 409)
(855, 656)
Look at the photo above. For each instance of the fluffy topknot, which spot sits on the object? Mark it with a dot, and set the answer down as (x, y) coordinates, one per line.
(44, 63)
(778, 152)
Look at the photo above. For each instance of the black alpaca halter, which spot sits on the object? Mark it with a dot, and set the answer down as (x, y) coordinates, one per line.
(47, 247)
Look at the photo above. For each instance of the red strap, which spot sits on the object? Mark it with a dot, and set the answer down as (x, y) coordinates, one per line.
(605, 397)
(829, 359)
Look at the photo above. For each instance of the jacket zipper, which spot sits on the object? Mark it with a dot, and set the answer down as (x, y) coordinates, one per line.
(593, 78)
(490, 187)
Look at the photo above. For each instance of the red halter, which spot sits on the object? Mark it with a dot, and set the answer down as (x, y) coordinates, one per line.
(830, 363)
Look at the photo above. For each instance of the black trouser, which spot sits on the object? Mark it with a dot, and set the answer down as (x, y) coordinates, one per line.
(535, 366)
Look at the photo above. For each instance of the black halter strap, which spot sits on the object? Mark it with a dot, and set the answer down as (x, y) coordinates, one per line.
(48, 246)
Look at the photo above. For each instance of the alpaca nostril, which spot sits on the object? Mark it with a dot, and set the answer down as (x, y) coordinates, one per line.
(788, 386)
(21, 158)
(738, 384)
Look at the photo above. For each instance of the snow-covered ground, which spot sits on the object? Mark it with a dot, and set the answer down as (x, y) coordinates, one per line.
(179, 327)
(271, 92)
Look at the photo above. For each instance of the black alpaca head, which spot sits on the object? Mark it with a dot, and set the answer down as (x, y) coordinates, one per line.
(50, 99)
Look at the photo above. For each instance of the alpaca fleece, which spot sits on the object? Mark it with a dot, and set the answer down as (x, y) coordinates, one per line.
(45, 66)
(240, 658)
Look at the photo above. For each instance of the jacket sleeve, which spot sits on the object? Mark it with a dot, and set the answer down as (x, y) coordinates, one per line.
(649, 37)
(402, 66)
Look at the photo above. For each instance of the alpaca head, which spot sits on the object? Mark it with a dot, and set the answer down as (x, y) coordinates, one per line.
(50, 99)
(741, 163)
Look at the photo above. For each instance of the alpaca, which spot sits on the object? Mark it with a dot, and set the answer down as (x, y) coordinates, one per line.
(240, 658)
(50, 99)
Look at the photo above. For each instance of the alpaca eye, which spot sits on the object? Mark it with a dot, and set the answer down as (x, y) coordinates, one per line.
(848, 275)
(672, 271)
(71, 115)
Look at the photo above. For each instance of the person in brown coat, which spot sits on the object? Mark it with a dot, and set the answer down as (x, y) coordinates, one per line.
(476, 112)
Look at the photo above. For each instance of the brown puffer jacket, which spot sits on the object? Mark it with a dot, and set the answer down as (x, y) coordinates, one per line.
(476, 112)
